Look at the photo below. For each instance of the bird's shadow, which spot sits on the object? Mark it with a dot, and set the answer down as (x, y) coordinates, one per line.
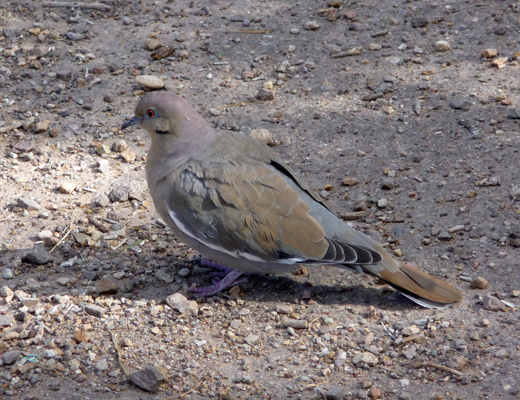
(270, 289)
(286, 288)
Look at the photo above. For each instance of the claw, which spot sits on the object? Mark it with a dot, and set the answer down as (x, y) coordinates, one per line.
(229, 278)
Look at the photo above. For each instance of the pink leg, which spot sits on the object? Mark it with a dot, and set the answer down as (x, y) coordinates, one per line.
(229, 279)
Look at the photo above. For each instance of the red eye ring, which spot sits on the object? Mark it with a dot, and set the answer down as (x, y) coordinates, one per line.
(150, 113)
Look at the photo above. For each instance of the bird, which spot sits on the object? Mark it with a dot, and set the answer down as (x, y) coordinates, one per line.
(232, 198)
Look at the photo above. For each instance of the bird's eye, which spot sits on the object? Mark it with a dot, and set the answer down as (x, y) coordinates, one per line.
(150, 113)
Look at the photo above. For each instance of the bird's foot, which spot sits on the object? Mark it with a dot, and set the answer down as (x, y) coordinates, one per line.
(224, 278)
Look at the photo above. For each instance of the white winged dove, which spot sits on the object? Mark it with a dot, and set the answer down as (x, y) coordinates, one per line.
(232, 198)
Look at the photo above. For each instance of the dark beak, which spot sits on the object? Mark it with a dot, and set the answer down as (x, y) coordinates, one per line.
(132, 121)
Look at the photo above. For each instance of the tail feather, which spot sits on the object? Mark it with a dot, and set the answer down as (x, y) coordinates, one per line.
(419, 286)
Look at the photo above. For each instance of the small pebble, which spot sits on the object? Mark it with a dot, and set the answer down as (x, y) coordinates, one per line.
(67, 187)
(479, 283)
(263, 135)
(442, 45)
(489, 53)
(150, 81)
(311, 25)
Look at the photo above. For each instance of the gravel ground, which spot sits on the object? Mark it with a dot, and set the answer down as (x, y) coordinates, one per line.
(404, 115)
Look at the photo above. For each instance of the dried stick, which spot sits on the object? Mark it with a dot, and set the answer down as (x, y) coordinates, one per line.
(119, 358)
(438, 366)
(180, 396)
(62, 239)
(96, 6)
(251, 31)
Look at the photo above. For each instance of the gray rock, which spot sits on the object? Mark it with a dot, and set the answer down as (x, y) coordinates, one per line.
(178, 302)
(24, 147)
(265, 94)
(141, 64)
(164, 276)
(90, 275)
(366, 358)
(117, 226)
(64, 75)
(5, 320)
(394, 60)
(115, 65)
(63, 280)
(81, 28)
(81, 238)
(5, 291)
(457, 362)
(341, 359)
(101, 365)
(30, 302)
(12, 32)
(500, 31)
(419, 22)
(444, 235)
(148, 378)
(382, 203)
(139, 196)
(491, 303)
(7, 273)
(10, 357)
(251, 339)
(514, 113)
(387, 184)
(284, 308)
(101, 200)
(410, 353)
(73, 36)
(107, 285)
(335, 393)
(119, 194)
(460, 104)
(94, 310)
(38, 255)
(27, 204)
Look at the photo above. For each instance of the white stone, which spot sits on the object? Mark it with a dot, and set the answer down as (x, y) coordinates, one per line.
(263, 135)
(442, 45)
(150, 81)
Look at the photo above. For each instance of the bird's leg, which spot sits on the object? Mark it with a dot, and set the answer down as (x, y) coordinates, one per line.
(228, 278)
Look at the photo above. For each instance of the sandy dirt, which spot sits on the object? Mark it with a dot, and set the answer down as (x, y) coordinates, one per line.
(404, 112)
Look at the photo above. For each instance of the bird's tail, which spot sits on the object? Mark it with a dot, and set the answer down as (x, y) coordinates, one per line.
(420, 287)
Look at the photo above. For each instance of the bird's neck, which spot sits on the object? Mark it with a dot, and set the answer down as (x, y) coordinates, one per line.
(181, 149)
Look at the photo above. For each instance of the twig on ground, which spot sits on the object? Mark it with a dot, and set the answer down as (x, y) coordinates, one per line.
(252, 31)
(62, 239)
(388, 333)
(438, 366)
(353, 215)
(118, 350)
(180, 396)
(96, 6)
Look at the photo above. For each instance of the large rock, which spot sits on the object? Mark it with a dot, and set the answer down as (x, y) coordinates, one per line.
(366, 358)
(38, 255)
(148, 378)
(178, 302)
(491, 303)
